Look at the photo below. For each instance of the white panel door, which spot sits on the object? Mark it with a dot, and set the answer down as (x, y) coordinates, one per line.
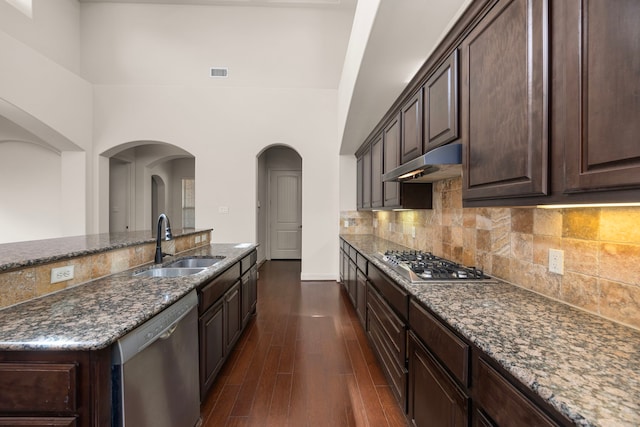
(286, 214)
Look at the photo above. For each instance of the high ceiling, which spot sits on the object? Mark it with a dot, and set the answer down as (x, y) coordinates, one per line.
(403, 34)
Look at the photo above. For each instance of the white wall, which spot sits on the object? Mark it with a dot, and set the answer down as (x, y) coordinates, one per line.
(53, 29)
(40, 93)
(284, 70)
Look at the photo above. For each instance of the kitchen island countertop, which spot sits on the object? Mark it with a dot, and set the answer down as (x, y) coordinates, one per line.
(95, 314)
(585, 366)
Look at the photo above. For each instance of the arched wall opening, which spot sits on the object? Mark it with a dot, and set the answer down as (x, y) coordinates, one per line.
(279, 203)
(157, 172)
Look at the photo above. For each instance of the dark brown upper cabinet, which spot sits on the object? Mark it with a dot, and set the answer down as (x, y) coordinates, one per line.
(505, 106)
(366, 179)
(391, 136)
(376, 172)
(602, 65)
(360, 182)
(411, 124)
(441, 105)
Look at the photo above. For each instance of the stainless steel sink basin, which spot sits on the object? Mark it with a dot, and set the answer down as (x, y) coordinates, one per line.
(168, 272)
(195, 262)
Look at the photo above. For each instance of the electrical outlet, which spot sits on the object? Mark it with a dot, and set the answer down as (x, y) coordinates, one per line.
(198, 238)
(223, 209)
(61, 274)
(346, 223)
(556, 261)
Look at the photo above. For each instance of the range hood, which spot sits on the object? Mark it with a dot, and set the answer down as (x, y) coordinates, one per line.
(440, 163)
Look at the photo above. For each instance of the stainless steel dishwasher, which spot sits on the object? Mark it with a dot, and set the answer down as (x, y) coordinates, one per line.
(155, 370)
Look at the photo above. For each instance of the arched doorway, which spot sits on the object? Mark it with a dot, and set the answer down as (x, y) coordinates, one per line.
(279, 203)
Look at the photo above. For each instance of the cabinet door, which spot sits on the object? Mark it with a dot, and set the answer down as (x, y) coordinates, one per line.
(411, 123)
(441, 105)
(434, 399)
(602, 145)
(361, 297)
(391, 137)
(505, 103)
(351, 283)
(366, 179)
(212, 345)
(245, 296)
(253, 289)
(376, 172)
(360, 183)
(233, 320)
(38, 422)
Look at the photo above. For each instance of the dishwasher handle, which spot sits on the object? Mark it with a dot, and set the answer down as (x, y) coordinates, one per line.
(167, 334)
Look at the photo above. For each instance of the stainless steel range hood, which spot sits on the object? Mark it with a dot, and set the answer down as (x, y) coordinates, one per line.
(440, 163)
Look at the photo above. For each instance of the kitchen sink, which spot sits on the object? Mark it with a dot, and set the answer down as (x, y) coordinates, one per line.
(168, 272)
(195, 262)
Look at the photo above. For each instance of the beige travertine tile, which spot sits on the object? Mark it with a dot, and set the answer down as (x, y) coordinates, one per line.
(547, 222)
(469, 218)
(620, 302)
(501, 241)
(120, 260)
(522, 247)
(546, 283)
(580, 290)
(522, 220)
(501, 267)
(100, 265)
(620, 225)
(469, 246)
(483, 262)
(81, 274)
(581, 256)
(541, 246)
(483, 219)
(457, 236)
(619, 262)
(583, 223)
(17, 286)
(483, 240)
(523, 274)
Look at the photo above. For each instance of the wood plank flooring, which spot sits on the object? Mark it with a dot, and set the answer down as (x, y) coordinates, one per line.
(303, 361)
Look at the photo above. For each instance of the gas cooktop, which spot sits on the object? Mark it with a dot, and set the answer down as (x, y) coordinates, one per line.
(424, 267)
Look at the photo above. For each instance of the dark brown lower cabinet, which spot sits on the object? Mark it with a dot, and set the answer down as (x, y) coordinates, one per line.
(502, 402)
(232, 313)
(434, 397)
(361, 297)
(55, 388)
(351, 282)
(212, 345)
(387, 333)
(226, 304)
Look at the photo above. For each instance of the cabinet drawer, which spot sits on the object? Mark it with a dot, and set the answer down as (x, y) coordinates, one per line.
(501, 401)
(38, 422)
(397, 298)
(213, 290)
(247, 262)
(44, 387)
(361, 261)
(353, 254)
(451, 350)
(392, 326)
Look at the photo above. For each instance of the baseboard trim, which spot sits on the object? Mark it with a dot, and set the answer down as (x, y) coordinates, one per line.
(313, 277)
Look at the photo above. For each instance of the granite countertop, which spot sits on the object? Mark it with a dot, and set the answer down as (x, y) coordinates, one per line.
(95, 314)
(586, 367)
(24, 254)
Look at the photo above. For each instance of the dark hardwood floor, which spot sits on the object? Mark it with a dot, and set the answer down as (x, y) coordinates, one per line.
(303, 361)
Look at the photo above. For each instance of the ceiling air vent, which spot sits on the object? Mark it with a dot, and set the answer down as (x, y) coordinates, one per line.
(219, 72)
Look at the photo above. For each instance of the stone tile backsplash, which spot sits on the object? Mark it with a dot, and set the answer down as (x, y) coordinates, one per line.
(30, 282)
(601, 246)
